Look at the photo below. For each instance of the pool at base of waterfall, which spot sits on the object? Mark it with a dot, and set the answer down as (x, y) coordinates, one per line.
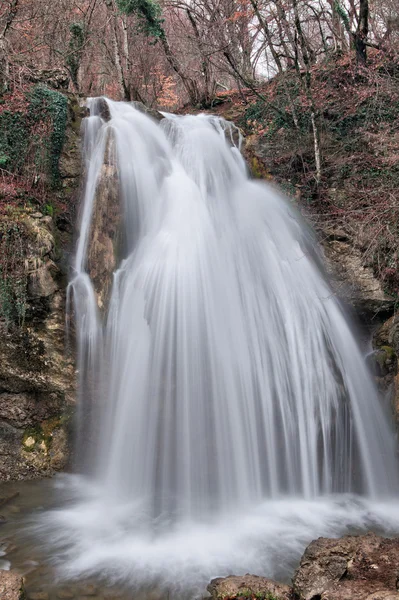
(72, 541)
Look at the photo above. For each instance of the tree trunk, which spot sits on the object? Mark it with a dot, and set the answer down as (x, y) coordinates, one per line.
(4, 60)
(209, 87)
(362, 30)
(266, 30)
(189, 85)
(303, 46)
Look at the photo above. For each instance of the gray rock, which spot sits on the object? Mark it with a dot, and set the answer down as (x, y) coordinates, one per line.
(150, 112)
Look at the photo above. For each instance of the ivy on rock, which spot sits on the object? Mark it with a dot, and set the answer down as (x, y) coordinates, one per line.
(46, 104)
(34, 138)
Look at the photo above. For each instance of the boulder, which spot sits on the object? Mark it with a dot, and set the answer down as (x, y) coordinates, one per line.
(357, 567)
(248, 586)
(57, 79)
(101, 108)
(11, 586)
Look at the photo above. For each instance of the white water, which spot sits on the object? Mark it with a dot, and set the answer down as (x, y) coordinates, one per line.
(235, 419)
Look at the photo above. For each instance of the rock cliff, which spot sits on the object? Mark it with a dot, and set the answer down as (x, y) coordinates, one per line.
(37, 374)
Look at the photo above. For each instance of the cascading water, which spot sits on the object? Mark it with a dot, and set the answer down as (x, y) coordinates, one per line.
(231, 407)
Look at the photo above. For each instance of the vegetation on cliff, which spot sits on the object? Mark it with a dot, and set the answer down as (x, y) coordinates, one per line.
(358, 114)
(39, 174)
(33, 120)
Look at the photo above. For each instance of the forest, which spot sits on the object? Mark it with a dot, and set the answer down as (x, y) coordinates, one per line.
(173, 53)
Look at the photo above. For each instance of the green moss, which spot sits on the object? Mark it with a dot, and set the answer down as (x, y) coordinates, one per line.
(32, 438)
(258, 170)
(13, 277)
(389, 351)
(42, 434)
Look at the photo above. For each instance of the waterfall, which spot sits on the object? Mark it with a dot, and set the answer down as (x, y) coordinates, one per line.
(221, 373)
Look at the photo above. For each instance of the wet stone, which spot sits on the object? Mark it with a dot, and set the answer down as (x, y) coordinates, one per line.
(65, 594)
(38, 596)
(6, 499)
(43, 571)
(88, 590)
(4, 565)
(112, 595)
(28, 567)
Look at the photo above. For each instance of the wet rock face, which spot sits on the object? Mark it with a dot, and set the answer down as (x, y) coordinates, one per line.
(350, 279)
(103, 110)
(248, 586)
(384, 361)
(11, 586)
(150, 112)
(36, 376)
(357, 567)
(104, 242)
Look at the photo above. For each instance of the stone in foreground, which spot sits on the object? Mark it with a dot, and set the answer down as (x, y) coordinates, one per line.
(11, 586)
(357, 567)
(248, 586)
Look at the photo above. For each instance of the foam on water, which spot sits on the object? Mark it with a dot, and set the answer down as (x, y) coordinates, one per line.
(120, 542)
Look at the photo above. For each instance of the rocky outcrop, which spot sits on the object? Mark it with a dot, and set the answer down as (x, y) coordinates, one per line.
(357, 567)
(11, 586)
(351, 281)
(37, 376)
(248, 586)
(104, 242)
(102, 109)
(150, 112)
(58, 79)
(384, 361)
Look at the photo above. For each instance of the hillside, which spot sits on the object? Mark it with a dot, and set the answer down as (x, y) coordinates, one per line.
(357, 111)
